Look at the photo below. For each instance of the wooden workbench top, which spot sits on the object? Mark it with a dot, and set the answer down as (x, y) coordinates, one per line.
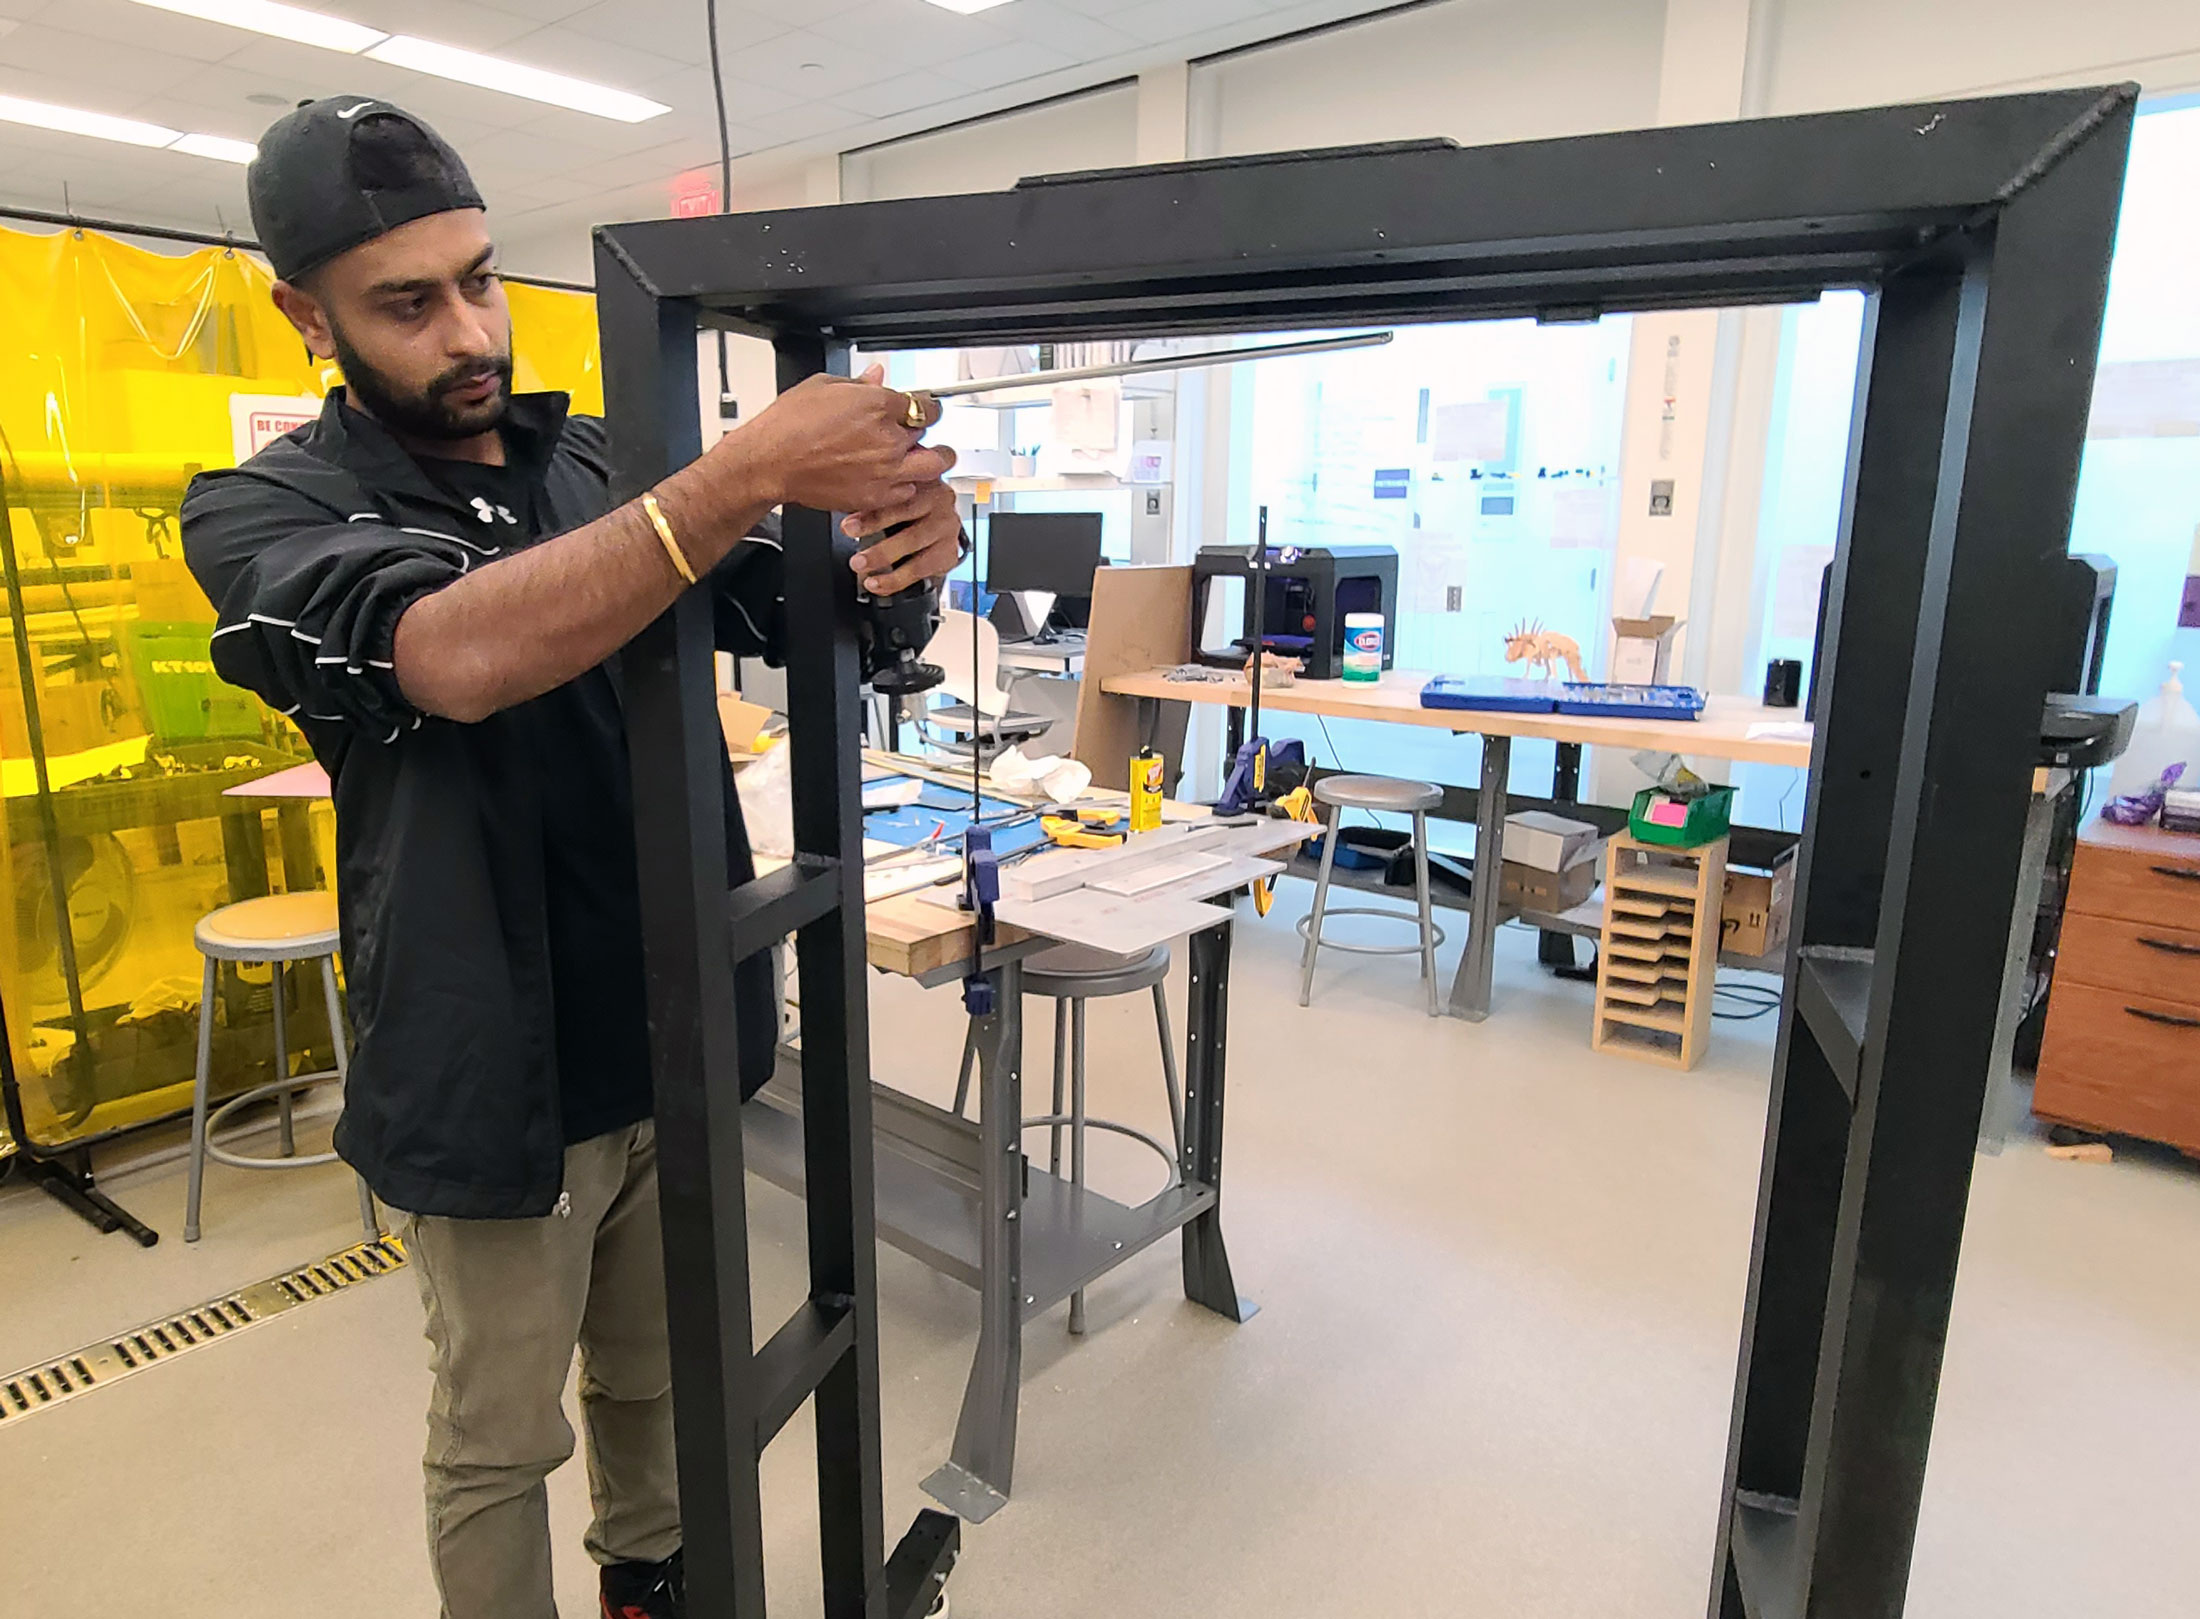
(1722, 732)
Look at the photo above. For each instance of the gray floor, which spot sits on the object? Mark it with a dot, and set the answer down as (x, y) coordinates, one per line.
(1501, 1283)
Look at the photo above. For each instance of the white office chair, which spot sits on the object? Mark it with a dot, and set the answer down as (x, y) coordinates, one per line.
(982, 701)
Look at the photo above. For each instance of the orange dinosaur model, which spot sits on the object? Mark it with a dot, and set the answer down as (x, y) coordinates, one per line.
(1543, 649)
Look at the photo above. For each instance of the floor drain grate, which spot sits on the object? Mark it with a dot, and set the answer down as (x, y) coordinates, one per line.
(37, 1388)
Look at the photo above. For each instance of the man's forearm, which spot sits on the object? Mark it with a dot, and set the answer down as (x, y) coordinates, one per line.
(530, 622)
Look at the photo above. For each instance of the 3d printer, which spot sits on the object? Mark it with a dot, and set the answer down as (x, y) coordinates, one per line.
(1309, 592)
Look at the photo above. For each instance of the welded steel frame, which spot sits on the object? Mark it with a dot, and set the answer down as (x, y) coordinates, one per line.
(1980, 230)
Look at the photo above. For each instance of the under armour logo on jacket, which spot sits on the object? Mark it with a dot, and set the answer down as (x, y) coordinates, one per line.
(489, 514)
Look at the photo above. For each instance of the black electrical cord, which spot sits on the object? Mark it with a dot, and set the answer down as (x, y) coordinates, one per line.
(725, 170)
(1757, 999)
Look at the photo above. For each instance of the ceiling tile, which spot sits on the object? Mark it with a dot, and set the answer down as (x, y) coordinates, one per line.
(747, 102)
(1155, 22)
(600, 61)
(144, 28)
(784, 63)
(783, 13)
(539, 12)
(462, 23)
(1052, 24)
(674, 29)
(905, 35)
(1005, 64)
(905, 93)
(46, 64)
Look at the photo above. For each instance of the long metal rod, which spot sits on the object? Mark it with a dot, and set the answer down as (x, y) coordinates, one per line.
(1163, 362)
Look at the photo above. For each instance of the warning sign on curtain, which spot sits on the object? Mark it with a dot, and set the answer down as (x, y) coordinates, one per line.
(258, 420)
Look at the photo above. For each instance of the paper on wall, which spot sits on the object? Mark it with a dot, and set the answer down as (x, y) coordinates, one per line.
(1474, 431)
(1795, 591)
(1433, 564)
(1087, 416)
(1581, 518)
(2146, 399)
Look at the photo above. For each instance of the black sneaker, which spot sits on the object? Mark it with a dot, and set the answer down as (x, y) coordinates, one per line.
(645, 1590)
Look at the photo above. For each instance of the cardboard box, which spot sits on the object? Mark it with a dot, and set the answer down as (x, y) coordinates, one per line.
(1642, 650)
(1754, 914)
(1528, 888)
(1547, 842)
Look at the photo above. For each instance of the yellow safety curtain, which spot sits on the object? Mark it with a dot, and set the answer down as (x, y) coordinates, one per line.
(123, 372)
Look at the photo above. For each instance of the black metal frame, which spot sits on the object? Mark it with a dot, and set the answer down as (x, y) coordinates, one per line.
(1982, 231)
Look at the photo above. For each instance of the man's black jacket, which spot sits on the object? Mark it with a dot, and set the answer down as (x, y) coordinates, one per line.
(310, 551)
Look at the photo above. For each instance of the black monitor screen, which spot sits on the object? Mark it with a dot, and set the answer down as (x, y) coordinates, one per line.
(1057, 551)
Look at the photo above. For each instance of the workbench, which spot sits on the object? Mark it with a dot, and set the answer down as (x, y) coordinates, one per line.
(960, 1195)
(1722, 733)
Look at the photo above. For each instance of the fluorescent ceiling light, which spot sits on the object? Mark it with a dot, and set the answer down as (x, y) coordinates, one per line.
(284, 22)
(75, 121)
(493, 73)
(71, 121)
(966, 7)
(426, 56)
(217, 146)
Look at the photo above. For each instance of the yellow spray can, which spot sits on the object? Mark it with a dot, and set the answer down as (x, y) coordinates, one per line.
(1145, 790)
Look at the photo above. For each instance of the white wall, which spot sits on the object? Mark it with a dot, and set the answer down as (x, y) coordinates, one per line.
(1860, 53)
(1093, 131)
(1478, 71)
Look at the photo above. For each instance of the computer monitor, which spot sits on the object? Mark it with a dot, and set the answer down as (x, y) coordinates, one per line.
(1056, 551)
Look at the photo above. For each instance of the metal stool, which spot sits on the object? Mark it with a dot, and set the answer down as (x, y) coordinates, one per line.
(271, 931)
(1073, 974)
(1415, 798)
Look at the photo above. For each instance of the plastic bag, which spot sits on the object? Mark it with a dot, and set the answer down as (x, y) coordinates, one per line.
(767, 803)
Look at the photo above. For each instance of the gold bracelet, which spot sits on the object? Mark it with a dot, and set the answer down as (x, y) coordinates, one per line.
(664, 533)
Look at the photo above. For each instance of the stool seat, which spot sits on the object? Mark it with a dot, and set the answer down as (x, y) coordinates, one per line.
(287, 927)
(1080, 972)
(1397, 797)
(1378, 793)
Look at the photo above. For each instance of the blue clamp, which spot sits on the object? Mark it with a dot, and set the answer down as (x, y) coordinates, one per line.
(981, 892)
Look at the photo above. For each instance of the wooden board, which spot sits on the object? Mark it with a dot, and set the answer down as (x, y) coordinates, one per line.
(1140, 617)
(1722, 733)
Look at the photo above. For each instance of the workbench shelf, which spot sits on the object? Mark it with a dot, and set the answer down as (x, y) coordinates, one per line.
(930, 1204)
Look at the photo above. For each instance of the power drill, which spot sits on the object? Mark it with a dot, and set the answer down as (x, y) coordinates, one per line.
(895, 631)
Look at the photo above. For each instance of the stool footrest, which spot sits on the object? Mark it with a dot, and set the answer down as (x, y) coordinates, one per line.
(1413, 949)
(260, 1093)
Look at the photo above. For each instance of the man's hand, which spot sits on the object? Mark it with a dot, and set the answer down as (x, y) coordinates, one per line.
(835, 444)
(927, 549)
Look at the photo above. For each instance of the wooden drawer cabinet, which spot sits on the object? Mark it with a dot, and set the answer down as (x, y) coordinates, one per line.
(2144, 957)
(2155, 880)
(2122, 1049)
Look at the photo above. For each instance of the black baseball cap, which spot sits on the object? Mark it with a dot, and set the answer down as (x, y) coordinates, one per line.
(344, 170)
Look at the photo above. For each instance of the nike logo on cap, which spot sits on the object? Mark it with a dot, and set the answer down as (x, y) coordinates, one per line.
(353, 111)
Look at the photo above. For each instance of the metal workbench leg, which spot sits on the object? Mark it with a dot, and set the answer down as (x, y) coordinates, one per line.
(1470, 987)
(1207, 1278)
(2001, 1092)
(975, 1480)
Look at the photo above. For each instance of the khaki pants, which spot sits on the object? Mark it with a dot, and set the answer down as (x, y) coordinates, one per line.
(507, 1303)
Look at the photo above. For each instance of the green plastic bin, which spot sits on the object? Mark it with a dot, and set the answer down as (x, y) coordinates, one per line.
(1708, 820)
(185, 701)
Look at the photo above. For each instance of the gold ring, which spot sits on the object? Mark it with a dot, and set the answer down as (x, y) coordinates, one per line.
(913, 414)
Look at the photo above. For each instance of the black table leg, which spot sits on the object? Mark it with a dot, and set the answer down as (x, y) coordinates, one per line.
(1207, 1278)
(1557, 949)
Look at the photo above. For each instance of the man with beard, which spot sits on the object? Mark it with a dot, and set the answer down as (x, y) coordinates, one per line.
(431, 581)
